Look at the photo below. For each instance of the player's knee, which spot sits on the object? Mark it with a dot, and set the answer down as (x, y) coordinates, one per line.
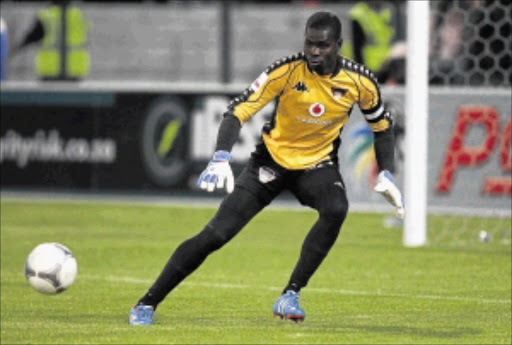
(334, 212)
(210, 239)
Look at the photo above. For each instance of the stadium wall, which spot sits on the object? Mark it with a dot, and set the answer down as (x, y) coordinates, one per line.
(174, 42)
(157, 137)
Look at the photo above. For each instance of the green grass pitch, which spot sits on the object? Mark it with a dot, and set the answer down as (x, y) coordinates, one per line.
(369, 290)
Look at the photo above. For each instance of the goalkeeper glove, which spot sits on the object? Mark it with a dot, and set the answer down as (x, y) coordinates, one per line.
(387, 188)
(217, 173)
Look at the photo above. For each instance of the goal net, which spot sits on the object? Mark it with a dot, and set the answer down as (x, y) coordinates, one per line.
(458, 182)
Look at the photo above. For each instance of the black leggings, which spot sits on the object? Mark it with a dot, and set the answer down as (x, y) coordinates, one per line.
(321, 189)
(233, 214)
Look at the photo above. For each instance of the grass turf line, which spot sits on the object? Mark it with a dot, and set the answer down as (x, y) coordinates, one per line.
(370, 289)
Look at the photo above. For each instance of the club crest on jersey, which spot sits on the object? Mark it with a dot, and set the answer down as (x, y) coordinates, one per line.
(317, 109)
(255, 86)
(266, 174)
(338, 93)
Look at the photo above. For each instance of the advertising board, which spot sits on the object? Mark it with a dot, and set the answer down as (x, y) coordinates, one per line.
(160, 140)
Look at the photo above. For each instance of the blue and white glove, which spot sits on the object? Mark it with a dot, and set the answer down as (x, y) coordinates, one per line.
(217, 173)
(387, 188)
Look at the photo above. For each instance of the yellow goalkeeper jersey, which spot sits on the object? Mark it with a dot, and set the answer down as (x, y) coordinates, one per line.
(311, 109)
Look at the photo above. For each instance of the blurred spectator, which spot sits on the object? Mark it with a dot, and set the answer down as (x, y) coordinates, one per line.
(61, 29)
(460, 33)
(392, 71)
(446, 43)
(374, 29)
(372, 34)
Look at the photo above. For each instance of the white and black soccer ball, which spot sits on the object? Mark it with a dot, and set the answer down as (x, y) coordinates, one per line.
(51, 268)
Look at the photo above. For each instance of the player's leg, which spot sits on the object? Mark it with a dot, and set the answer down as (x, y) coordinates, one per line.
(322, 189)
(248, 198)
(235, 211)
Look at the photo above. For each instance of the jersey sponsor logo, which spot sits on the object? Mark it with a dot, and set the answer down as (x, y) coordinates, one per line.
(266, 175)
(301, 87)
(255, 86)
(338, 93)
(317, 109)
(319, 122)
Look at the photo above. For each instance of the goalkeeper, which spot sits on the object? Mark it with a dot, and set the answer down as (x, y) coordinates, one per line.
(316, 90)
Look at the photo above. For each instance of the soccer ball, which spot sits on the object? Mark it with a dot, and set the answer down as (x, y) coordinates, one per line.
(50, 268)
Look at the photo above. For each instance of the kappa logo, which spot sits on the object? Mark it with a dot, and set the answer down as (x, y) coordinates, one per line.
(317, 109)
(301, 87)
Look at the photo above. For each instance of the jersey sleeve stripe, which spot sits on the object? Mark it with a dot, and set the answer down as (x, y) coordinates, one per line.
(373, 115)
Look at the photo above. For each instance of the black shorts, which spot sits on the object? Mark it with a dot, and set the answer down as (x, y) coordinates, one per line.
(266, 179)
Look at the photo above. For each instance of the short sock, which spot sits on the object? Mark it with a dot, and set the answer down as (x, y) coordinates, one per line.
(148, 299)
(291, 286)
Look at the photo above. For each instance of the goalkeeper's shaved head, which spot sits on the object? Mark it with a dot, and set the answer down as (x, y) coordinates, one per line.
(325, 21)
(322, 42)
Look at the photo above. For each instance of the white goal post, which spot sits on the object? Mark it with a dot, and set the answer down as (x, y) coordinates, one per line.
(416, 124)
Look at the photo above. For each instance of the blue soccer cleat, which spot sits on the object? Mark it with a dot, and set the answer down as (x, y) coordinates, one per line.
(141, 314)
(287, 307)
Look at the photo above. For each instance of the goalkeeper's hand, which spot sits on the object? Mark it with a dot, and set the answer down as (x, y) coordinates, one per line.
(218, 173)
(387, 188)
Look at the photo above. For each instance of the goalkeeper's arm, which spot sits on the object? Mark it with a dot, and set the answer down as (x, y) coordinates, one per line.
(384, 145)
(218, 173)
(229, 131)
